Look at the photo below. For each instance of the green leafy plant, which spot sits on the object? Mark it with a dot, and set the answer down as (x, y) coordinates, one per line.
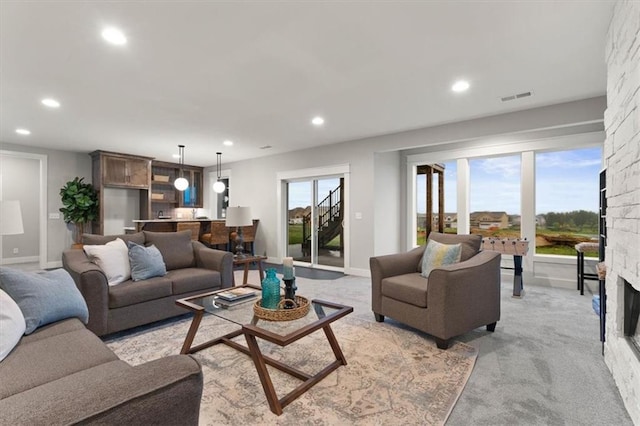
(80, 201)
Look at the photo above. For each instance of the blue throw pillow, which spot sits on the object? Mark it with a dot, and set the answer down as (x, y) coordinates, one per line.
(437, 254)
(146, 262)
(44, 297)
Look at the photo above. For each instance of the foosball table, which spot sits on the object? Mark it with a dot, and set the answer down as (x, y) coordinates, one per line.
(514, 246)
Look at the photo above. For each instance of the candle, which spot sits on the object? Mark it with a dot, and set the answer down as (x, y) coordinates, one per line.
(287, 268)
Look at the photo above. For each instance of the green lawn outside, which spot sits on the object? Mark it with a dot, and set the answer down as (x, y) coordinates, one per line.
(295, 237)
(295, 233)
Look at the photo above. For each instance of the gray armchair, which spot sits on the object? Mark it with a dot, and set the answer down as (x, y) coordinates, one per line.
(453, 300)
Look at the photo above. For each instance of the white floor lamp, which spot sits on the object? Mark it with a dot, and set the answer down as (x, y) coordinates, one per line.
(10, 218)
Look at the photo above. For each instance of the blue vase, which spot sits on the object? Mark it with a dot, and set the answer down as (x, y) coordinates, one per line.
(270, 290)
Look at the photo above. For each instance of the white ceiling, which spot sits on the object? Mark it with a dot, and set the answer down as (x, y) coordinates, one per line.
(197, 73)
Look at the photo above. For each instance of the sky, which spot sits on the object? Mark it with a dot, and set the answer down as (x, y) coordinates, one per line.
(565, 181)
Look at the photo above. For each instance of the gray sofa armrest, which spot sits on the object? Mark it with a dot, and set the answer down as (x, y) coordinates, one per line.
(166, 391)
(388, 266)
(93, 285)
(471, 289)
(217, 260)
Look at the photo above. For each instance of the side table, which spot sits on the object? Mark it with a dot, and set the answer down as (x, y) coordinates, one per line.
(246, 261)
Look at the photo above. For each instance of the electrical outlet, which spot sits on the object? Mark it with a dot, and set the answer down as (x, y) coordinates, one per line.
(16, 251)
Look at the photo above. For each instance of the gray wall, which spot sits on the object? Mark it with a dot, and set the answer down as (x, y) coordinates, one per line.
(376, 168)
(62, 166)
(381, 229)
(121, 207)
(20, 181)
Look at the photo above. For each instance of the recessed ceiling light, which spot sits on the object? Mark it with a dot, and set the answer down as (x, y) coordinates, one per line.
(460, 86)
(114, 36)
(318, 121)
(23, 131)
(176, 155)
(227, 143)
(51, 103)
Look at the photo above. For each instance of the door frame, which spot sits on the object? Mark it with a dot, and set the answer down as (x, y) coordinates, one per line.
(42, 200)
(283, 178)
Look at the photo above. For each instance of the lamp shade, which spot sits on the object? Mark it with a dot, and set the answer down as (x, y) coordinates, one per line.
(238, 216)
(10, 218)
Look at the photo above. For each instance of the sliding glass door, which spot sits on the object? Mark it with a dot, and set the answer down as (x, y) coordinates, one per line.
(315, 225)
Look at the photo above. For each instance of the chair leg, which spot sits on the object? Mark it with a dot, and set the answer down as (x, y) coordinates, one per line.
(379, 318)
(442, 343)
(491, 327)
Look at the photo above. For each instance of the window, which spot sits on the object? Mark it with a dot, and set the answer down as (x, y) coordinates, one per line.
(495, 196)
(567, 200)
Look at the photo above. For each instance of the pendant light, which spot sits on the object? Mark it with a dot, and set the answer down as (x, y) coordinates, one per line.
(181, 183)
(219, 186)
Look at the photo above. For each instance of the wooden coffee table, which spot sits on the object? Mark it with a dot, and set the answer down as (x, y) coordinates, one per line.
(282, 333)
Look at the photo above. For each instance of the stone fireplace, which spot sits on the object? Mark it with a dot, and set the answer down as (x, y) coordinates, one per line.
(622, 160)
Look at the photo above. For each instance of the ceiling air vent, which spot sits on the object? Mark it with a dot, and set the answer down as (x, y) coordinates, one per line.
(266, 147)
(518, 96)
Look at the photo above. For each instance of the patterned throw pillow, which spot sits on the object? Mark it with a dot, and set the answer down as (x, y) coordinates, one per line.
(437, 254)
(146, 262)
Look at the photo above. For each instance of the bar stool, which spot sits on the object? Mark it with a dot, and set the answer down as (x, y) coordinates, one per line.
(194, 227)
(581, 248)
(218, 236)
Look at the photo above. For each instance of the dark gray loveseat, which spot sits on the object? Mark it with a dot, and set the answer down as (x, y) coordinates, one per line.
(64, 374)
(192, 268)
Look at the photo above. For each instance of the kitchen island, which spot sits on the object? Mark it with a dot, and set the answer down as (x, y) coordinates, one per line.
(171, 225)
(212, 232)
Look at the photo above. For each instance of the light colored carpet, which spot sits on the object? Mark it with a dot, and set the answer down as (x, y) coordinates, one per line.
(394, 375)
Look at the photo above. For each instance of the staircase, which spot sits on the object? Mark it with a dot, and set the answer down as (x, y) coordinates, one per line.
(329, 212)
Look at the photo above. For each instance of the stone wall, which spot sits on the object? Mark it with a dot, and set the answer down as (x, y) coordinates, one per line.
(622, 159)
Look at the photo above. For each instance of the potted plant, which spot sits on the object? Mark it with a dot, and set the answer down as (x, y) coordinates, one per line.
(80, 201)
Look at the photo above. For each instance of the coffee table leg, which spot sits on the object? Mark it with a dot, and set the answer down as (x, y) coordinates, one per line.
(334, 344)
(265, 379)
(195, 323)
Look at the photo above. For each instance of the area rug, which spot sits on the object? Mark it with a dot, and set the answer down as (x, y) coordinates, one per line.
(394, 376)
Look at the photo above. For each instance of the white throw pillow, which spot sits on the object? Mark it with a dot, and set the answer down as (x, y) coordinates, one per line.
(113, 259)
(12, 325)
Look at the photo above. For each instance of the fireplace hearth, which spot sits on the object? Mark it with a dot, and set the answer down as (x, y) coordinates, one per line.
(631, 314)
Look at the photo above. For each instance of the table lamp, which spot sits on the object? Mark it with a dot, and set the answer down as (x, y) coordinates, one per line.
(238, 217)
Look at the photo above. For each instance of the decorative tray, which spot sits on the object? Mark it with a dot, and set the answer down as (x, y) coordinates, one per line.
(280, 314)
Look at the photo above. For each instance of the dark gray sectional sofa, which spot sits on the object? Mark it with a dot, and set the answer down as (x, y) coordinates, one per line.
(63, 374)
(192, 268)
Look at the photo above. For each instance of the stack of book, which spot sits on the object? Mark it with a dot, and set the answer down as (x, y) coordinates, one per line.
(234, 296)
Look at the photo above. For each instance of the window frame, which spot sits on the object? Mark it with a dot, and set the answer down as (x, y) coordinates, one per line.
(468, 150)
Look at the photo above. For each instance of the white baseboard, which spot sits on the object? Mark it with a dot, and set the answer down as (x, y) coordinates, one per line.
(57, 264)
(17, 260)
(358, 272)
